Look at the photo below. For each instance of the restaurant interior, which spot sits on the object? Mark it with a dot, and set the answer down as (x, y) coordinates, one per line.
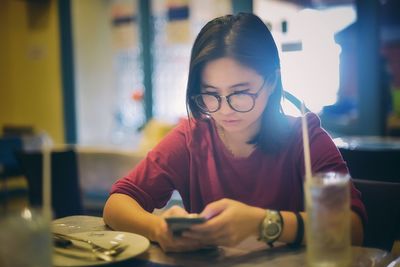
(96, 84)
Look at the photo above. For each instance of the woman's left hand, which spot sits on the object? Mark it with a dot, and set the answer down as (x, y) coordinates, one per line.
(229, 223)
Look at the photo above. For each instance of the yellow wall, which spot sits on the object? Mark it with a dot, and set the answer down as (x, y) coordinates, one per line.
(30, 73)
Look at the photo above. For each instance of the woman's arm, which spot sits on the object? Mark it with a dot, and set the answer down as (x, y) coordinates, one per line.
(290, 229)
(357, 229)
(289, 233)
(123, 213)
(232, 221)
(326, 157)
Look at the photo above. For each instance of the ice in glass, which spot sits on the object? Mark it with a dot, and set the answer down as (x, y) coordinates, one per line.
(328, 237)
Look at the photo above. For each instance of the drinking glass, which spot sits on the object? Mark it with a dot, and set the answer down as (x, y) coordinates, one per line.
(25, 239)
(327, 197)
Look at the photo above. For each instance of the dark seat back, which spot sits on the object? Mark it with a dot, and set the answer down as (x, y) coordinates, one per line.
(8, 162)
(66, 193)
(382, 202)
(9, 169)
(372, 164)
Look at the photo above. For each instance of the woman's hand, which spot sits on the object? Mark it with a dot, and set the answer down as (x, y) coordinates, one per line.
(229, 223)
(174, 211)
(170, 243)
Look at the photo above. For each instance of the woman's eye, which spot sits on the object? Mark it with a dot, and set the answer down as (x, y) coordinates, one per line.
(211, 93)
(242, 92)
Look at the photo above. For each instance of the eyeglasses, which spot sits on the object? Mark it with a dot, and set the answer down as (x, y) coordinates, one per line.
(238, 101)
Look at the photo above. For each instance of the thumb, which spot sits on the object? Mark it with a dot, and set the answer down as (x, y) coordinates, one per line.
(175, 211)
(213, 209)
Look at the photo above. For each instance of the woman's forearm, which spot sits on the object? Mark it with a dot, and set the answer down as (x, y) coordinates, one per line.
(357, 230)
(290, 228)
(123, 213)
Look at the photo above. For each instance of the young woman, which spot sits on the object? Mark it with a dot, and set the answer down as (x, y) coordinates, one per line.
(238, 160)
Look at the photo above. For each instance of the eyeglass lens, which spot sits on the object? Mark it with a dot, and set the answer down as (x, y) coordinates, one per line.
(238, 102)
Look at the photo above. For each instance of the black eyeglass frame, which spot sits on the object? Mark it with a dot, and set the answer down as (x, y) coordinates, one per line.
(254, 96)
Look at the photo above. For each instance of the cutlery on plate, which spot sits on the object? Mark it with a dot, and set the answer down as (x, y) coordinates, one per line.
(89, 257)
(102, 253)
(87, 241)
(98, 255)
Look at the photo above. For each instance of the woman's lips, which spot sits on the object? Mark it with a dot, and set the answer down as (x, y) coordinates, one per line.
(230, 122)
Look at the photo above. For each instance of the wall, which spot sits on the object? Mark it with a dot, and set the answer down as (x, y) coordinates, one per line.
(30, 78)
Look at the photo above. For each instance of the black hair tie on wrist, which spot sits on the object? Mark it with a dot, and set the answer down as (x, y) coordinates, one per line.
(300, 232)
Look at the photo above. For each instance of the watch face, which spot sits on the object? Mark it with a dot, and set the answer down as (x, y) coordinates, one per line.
(272, 229)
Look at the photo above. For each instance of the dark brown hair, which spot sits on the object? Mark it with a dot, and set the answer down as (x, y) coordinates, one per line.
(245, 38)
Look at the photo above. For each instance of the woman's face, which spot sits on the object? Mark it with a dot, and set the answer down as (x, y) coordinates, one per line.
(225, 76)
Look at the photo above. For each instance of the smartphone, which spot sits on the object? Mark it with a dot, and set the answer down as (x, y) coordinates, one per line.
(179, 224)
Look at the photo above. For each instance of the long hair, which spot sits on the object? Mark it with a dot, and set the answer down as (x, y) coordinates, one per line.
(246, 39)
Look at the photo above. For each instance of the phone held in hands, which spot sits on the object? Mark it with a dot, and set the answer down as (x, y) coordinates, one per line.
(179, 224)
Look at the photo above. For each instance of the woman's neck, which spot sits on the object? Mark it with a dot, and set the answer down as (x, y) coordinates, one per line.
(237, 142)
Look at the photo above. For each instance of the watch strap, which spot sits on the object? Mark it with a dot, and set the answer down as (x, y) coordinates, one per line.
(300, 231)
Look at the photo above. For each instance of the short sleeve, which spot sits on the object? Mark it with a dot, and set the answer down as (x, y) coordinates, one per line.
(164, 169)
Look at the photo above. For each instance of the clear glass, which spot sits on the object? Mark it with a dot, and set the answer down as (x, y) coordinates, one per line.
(25, 239)
(328, 234)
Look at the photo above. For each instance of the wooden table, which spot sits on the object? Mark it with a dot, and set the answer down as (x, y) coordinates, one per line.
(248, 253)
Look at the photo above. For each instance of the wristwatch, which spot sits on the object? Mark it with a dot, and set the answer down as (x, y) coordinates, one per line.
(271, 227)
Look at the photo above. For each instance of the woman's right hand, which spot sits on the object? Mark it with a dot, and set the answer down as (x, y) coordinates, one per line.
(170, 243)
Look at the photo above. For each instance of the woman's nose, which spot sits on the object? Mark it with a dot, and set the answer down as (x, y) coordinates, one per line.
(225, 107)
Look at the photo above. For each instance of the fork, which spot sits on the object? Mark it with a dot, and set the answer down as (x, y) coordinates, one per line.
(109, 255)
(98, 255)
(109, 251)
(105, 254)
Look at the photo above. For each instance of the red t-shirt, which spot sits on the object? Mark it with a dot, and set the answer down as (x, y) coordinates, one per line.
(193, 160)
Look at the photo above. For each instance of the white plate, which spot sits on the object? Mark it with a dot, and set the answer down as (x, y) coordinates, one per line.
(73, 257)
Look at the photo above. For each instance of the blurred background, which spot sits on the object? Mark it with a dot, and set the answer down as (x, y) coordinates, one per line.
(96, 71)
(106, 76)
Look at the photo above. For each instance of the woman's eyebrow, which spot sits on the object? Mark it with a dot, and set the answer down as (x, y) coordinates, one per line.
(204, 85)
(243, 84)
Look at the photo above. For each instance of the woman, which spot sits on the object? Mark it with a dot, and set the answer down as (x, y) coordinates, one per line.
(238, 160)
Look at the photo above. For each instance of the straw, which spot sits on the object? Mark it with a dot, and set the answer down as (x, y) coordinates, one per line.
(46, 179)
(306, 144)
